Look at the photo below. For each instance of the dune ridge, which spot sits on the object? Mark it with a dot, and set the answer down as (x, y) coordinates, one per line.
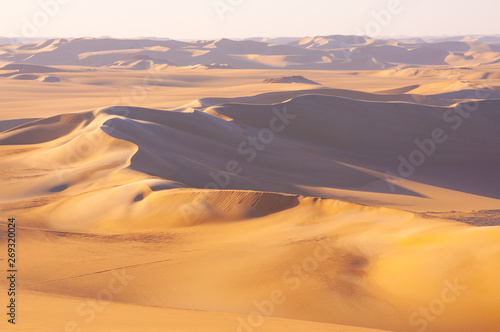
(321, 52)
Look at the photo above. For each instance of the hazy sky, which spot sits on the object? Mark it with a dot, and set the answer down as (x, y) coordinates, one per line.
(211, 19)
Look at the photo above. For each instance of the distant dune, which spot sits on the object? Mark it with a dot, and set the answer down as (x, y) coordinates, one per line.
(323, 52)
(28, 68)
(140, 62)
(290, 79)
(211, 66)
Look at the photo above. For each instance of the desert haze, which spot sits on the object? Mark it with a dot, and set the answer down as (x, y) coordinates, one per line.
(330, 183)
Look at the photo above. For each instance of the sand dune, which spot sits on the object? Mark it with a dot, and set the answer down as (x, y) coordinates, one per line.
(211, 66)
(456, 73)
(290, 79)
(27, 68)
(352, 259)
(152, 193)
(457, 90)
(334, 156)
(140, 62)
(322, 52)
(31, 77)
(330, 42)
(277, 97)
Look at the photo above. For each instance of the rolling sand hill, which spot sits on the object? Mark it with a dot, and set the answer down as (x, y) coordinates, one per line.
(151, 196)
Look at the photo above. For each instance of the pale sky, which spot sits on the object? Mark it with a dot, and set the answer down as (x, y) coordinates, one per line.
(199, 19)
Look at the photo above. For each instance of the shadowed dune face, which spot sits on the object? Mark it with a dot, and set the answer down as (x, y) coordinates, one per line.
(208, 195)
(356, 126)
(45, 130)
